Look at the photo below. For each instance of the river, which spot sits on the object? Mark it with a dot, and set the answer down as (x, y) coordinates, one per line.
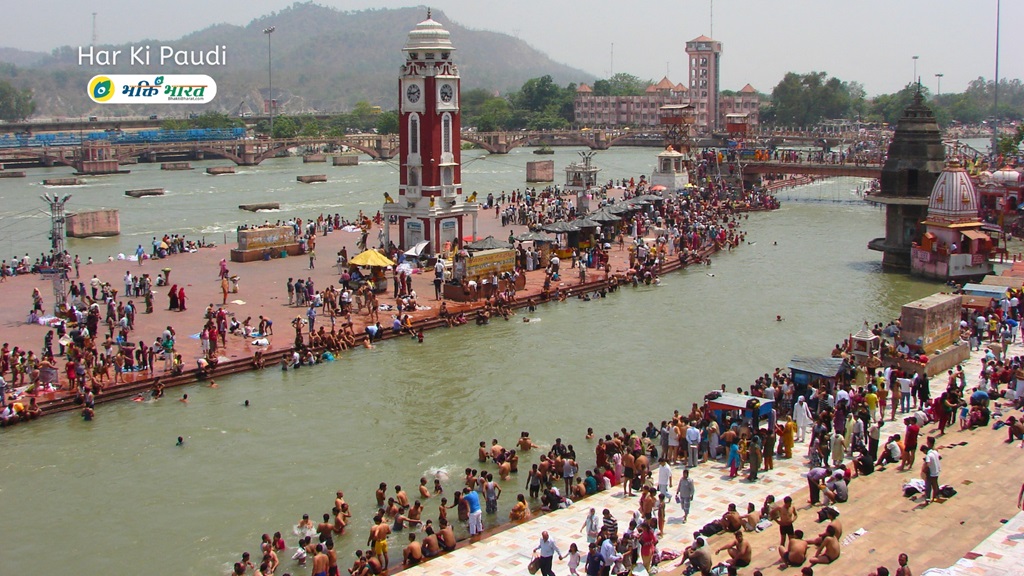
(115, 495)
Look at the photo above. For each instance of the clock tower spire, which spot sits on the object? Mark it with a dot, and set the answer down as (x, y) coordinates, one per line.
(430, 204)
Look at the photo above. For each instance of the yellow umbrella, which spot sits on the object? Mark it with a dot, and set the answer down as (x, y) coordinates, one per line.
(371, 258)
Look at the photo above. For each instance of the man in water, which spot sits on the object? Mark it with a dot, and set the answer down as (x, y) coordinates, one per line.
(446, 537)
(378, 540)
(320, 561)
(475, 514)
(413, 553)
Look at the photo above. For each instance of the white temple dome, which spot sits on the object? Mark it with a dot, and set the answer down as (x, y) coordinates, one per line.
(1006, 175)
(953, 197)
(429, 35)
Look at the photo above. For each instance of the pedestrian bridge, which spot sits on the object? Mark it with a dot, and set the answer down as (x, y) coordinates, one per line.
(813, 169)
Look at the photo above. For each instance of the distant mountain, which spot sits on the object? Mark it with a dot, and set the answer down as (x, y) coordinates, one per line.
(22, 58)
(324, 60)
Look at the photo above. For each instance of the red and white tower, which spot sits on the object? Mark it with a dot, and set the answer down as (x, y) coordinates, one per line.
(430, 205)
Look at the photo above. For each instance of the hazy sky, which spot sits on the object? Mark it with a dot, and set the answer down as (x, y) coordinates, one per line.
(869, 41)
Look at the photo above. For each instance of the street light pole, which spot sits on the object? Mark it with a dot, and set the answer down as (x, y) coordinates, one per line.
(914, 79)
(995, 92)
(270, 75)
(938, 84)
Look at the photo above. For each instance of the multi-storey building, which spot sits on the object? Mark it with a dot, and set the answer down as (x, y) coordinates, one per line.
(701, 91)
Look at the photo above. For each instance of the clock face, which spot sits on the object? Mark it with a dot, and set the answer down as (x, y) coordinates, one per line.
(412, 93)
(447, 93)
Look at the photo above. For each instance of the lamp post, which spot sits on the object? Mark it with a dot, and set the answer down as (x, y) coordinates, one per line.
(995, 92)
(270, 76)
(914, 79)
(938, 84)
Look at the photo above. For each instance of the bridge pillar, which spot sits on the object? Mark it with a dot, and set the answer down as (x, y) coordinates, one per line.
(750, 180)
(383, 153)
(247, 154)
(600, 141)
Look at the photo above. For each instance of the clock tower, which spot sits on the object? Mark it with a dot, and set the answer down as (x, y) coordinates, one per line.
(430, 204)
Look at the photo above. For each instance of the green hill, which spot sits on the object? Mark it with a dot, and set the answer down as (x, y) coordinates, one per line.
(324, 60)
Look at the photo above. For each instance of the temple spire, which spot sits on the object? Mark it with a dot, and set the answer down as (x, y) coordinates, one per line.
(428, 13)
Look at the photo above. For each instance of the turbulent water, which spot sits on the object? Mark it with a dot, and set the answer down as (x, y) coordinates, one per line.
(116, 495)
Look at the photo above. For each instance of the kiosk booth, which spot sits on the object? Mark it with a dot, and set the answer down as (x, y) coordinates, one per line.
(752, 408)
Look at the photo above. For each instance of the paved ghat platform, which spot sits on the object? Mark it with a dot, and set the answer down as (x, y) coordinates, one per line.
(986, 472)
(965, 531)
(261, 292)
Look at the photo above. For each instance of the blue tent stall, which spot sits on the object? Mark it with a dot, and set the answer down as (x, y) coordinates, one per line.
(730, 402)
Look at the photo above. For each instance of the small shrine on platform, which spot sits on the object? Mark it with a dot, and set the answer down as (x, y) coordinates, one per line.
(953, 247)
(581, 181)
(97, 157)
(671, 170)
(865, 345)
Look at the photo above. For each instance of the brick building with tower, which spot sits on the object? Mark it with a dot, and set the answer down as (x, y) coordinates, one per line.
(702, 91)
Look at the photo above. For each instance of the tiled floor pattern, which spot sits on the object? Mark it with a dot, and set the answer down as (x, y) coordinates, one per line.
(509, 552)
(1001, 554)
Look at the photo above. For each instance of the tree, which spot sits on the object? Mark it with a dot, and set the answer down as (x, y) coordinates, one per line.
(310, 127)
(15, 104)
(339, 125)
(621, 84)
(889, 107)
(537, 94)
(387, 122)
(495, 114)
(363, 116)
(175, 124)
(1010, 145)
(285, 127)
(211, 119)
(806, 99)
(472, 102)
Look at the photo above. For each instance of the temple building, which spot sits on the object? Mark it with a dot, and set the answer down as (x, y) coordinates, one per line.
(912, 166)
(430, 205)
(952, 247)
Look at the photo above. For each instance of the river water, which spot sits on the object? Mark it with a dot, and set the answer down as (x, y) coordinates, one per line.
(116, 496)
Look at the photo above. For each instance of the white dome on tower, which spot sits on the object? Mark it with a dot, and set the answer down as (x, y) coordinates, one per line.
(429, 35)
(953, 197)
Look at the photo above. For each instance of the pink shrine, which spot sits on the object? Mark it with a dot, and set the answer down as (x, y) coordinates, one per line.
(430, 205)
(953, 247)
